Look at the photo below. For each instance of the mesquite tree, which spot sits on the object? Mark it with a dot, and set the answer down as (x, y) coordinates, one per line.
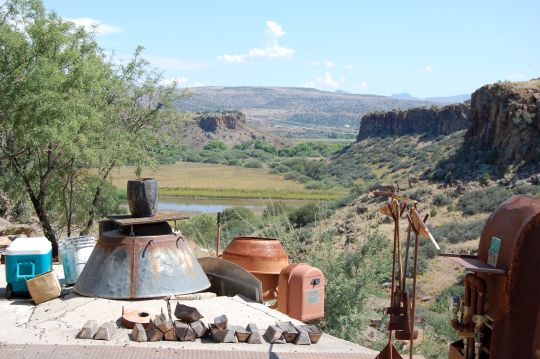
(68, 115)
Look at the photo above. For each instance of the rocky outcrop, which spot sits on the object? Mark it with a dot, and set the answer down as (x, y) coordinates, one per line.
(229, 127)
(432, 121)
(505, 121)
(213, 122)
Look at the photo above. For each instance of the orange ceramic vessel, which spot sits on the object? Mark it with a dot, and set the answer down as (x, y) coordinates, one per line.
(301, 292)
(263, 257)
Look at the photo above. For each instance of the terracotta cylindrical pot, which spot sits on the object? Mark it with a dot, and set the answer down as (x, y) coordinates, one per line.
(263, 257)
(142, 197)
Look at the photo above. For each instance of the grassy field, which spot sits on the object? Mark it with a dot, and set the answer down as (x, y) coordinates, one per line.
(186, 179)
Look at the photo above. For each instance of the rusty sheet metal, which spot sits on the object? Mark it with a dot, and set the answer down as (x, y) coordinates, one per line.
(38, 351)
(229, 279)
(160, 217)
(148, 266)
(472, 263)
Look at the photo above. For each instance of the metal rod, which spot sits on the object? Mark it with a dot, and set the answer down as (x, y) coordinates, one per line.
(407, 255)
(218, 233)
(398, 245)
(393, 266)
(413, 295)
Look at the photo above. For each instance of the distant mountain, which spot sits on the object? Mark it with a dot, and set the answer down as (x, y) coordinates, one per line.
(404, 96)
(278, 109)
(442, 99)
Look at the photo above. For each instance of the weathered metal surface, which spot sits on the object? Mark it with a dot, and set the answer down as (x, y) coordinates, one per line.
(142, 197)
(160, 217)
(125, 267)
(263, 257)
(39, 351)
(472, 263)
(510, 243)
(229, 279)
(257, 254)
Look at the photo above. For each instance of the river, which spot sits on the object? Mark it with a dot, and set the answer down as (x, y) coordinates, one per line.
(214, 205)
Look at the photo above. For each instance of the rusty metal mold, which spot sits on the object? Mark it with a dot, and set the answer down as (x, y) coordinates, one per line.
(141, 266)
(263, 257)
(141, 315)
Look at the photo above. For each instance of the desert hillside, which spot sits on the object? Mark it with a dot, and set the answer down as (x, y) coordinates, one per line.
(268, 107)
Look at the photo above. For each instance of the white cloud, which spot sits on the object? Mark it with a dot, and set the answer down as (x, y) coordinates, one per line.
(271, 51)
(171, 63)
(360, 86)
(274, 29)
(180, 81)
(326, 82)
(93, 25)
(348, 66)
(328, 64)
(232, 59)
(428, 68)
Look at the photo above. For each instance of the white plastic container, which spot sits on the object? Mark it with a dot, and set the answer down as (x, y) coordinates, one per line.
(75, 253)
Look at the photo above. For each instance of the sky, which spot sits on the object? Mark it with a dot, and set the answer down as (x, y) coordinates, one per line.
(424, 48)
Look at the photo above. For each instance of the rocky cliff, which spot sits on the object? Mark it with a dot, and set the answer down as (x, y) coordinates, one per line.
(213, 122)
(432, 121)
(505, 121)
(230, 127)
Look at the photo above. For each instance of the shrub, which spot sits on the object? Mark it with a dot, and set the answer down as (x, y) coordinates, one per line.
(215, 145)
(349, 276)
(253, 164)
(276, 209)
(201, 229)
(419, 194)
(234, 162)
(456, 232)
(305, 215)
(441, 199)
(483, 200)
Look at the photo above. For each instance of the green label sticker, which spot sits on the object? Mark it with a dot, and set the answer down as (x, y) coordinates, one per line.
(314, 296)
(493, 253)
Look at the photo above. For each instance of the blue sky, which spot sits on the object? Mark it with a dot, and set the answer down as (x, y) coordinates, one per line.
(425, 48)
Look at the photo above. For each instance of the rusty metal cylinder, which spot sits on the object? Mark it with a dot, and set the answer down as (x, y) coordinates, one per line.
(263, 257)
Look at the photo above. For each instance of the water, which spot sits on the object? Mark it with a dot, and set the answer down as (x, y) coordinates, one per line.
(214, 205)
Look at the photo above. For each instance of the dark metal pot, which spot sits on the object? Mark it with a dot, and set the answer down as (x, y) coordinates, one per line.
(142, 197)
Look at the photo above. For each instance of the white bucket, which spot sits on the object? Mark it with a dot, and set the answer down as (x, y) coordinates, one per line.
(75, 253)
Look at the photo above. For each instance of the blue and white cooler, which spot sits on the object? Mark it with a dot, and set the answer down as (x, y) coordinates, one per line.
(25, 259)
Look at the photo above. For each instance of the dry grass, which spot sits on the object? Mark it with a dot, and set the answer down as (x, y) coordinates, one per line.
(206, 175)
(186, 179)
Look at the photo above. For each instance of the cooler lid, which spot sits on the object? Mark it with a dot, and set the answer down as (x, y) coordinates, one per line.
(31, 245)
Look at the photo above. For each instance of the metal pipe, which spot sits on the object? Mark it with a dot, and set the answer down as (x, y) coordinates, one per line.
(407, 255)
(218, 233)
(411, 319)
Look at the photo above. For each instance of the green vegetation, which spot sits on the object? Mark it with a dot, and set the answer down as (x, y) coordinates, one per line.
(301, 163)
(69, 117)
(393, 158)
(487, 199)
(459, 231)
(483, 200)
(241, 193)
